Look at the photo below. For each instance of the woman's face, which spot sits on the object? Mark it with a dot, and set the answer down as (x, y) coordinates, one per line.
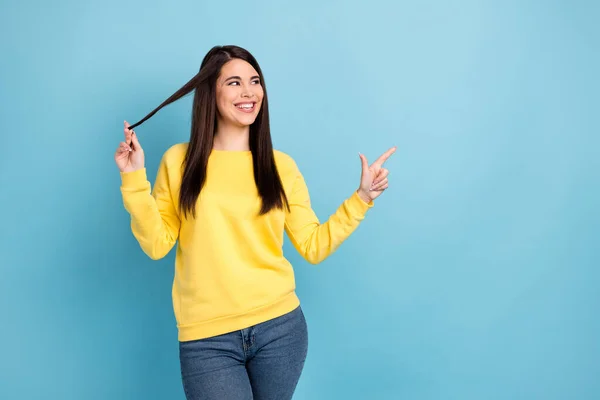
(239, 93)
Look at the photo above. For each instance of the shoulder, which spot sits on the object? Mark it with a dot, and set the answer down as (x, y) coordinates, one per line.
(176, 150)
(175, 154)
(284, 160)
(285, 163)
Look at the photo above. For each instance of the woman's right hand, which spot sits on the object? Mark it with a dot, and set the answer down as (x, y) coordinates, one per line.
(130, 155)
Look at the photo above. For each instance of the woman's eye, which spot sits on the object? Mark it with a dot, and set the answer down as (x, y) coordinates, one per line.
(256, 81)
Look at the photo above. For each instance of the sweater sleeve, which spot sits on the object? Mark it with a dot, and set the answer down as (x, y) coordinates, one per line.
(154, 219)
(313, 240)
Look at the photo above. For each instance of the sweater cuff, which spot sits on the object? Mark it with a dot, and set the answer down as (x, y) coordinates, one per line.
(134, 179)
(358, 205)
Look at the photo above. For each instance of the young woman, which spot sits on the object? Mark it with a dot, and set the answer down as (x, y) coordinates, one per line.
(226, 198)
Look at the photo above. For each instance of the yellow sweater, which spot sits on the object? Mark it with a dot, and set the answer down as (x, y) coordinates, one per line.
(230, 272)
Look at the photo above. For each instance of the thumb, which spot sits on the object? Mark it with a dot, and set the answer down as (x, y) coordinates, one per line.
(135, 142)
(365, 164)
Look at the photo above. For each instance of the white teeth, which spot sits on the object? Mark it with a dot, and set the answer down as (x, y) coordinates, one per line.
(246, 106)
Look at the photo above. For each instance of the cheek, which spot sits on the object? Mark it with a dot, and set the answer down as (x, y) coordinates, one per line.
(220, 109)
(223, 103)
(260, 95)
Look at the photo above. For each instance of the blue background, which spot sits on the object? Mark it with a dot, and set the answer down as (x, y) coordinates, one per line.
(476, 275)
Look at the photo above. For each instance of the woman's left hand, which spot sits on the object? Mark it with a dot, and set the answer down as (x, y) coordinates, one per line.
(373, 179)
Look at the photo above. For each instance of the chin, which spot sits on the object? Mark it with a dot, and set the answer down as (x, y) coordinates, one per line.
(246, 121)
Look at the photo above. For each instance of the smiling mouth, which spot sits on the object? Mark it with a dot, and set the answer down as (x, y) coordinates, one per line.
(246, 107)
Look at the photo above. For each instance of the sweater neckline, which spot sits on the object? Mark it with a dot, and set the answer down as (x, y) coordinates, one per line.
(230, 155)
(215, 151)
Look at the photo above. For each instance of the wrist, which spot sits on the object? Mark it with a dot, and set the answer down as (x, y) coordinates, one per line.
(127, 170)
(364, 196)
(133, 179)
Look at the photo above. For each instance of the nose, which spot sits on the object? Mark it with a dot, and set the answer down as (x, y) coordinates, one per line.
(247, 93)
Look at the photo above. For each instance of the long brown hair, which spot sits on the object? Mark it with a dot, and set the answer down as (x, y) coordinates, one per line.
(204, 121)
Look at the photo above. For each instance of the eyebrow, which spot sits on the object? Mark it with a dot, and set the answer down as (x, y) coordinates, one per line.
(237, 77)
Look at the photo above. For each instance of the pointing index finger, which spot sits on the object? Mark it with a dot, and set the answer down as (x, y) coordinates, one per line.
(383, 158)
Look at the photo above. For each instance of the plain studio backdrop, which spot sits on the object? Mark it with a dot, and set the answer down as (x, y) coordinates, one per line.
(475, 276)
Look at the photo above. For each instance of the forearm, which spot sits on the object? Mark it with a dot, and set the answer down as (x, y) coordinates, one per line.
(155, 230)
(315, 241)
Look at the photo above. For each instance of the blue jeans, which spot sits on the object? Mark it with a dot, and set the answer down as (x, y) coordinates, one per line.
(262, 362)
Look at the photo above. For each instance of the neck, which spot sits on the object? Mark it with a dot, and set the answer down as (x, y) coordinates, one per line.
(232, 138)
